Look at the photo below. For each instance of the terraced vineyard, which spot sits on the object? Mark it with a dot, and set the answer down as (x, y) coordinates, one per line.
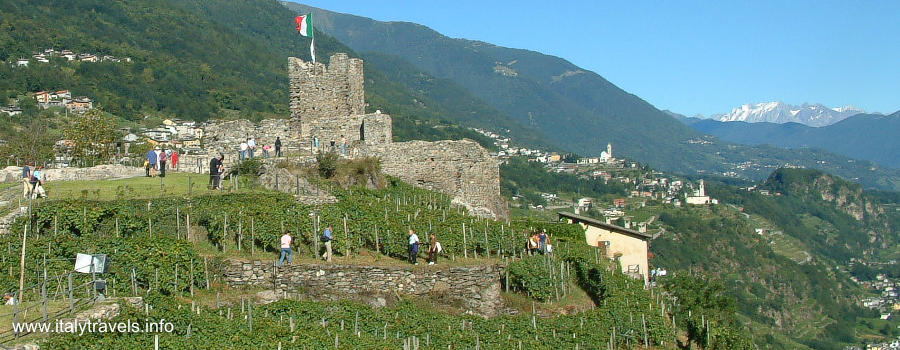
(153, 245)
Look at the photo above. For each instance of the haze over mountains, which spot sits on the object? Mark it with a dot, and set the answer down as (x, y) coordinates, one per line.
(779, 112)
(863, 136)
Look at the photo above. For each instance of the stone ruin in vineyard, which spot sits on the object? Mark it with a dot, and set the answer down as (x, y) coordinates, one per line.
(329, 101)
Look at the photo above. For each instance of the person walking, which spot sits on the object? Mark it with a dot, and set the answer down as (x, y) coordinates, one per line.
(286, 241)
(162, 163)
(215, 172)
(174, 158)
(434, 248)
(542, 242)
(266, 151)
(26, 181)
(343, 145)
(413, 247)
(37, 183)
(243, 153)
(327, 237)
(157, 151)
(151, 163)
(278, 146)
(251, 146)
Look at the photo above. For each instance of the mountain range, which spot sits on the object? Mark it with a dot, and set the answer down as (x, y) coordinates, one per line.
(815, 115)
(435, 87)
(871, 137)
(575, 109)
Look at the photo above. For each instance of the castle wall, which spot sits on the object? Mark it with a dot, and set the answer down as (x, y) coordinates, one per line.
(365, 129)
(226, 137)
(319, 92)
(462, 169)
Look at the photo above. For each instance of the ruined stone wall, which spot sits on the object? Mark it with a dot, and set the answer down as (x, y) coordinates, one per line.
(226, 136)
(362, 129)
(462, 169)
(475, 288)
(319, 92)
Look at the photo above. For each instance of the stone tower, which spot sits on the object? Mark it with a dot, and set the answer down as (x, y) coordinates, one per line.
(317, 91)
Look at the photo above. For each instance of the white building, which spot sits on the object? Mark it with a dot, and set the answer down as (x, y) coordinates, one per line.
(699, 197)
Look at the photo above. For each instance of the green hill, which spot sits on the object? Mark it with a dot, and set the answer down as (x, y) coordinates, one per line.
(794, 279)
(193, 60)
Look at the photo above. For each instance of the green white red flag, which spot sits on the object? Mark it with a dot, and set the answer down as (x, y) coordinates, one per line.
(305, 28)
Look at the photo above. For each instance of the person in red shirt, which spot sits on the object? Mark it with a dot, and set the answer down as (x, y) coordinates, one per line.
(174, 159)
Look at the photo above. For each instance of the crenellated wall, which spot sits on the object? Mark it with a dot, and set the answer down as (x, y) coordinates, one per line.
(320, 92)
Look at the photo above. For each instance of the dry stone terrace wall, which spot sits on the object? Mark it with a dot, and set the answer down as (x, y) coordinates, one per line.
(476, 288)
(462, 169)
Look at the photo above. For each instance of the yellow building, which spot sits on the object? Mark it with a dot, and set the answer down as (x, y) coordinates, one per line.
(630, 246)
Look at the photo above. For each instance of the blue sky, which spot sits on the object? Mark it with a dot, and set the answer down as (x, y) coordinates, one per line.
(690, 56)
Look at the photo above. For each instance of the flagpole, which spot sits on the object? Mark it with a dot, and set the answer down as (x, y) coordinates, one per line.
(312, 42)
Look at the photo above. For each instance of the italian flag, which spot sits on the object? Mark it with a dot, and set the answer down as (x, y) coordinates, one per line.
(305, 28)
(304, 25)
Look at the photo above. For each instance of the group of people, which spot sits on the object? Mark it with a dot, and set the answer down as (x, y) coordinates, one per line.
(334, 145)
(434, 248)
(33, 182)
(328, 236)
(538, 242)
(248, 148)
(157, 161)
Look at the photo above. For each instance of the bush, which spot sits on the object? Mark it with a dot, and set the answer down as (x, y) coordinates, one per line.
(327, 164)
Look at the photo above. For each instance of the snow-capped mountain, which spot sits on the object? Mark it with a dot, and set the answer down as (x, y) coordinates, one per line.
(815, 115)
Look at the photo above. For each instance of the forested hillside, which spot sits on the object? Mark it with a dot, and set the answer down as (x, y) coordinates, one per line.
(189, 59)
(793, 278)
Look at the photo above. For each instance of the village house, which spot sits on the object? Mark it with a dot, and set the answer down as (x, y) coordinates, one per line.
(61, 94)
(80, 104)
(22, 62)
(42, 96)
(629, 247)
(86, 57)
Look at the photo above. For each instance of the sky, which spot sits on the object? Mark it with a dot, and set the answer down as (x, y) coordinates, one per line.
(691, 57)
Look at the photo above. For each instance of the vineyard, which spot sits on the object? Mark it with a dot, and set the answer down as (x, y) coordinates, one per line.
(152, 246)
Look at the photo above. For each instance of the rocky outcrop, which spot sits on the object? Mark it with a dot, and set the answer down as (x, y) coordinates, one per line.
(280, 179)
(476, 289)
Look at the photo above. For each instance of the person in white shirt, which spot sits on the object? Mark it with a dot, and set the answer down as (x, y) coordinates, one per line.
(9, 299)
(413, 247)
(286, 241)
(244, 150)
(251, 145)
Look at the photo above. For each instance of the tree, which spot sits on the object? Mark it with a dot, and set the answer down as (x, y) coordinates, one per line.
(33, 144)
(93, 135)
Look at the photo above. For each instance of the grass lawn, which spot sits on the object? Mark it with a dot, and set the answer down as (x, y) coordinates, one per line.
(174, 184)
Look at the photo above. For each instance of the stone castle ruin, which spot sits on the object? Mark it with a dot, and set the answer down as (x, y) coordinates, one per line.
(328, 102)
